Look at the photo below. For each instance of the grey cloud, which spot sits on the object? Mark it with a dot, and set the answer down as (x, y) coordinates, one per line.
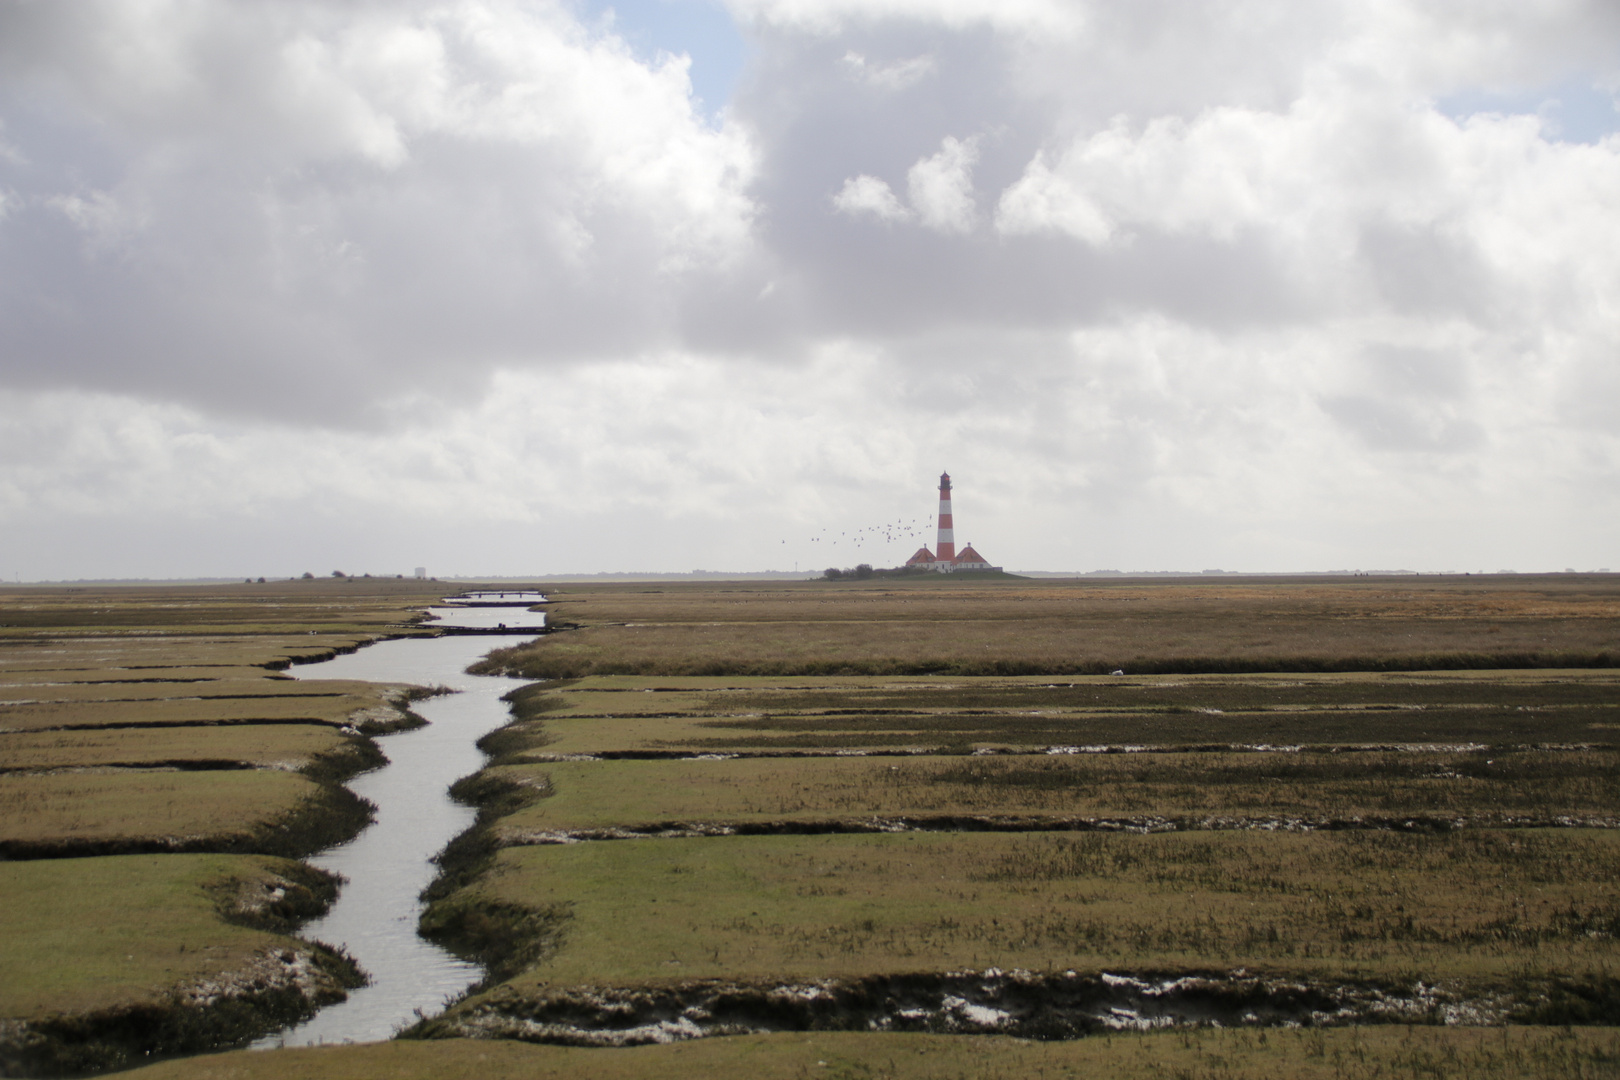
(383, 199)
(564, 303)
(227, 221)
(1434, 374)
(1394, 425)
(1423, 270)
(1410, 399)
(820, 131)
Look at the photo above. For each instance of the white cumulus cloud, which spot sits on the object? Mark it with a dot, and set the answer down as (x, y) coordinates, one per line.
(1174, 283)
(221, 196)
(868, 195)
(941, 186)
(898, 75)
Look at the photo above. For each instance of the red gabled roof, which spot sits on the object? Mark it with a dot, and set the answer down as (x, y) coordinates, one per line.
(967, 554)
(923, 555)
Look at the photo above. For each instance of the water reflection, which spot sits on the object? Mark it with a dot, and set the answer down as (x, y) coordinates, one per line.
(388, 865)
(514, 620)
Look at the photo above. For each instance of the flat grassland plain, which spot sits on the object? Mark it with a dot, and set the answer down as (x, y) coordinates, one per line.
(159, 776)
(918, 828)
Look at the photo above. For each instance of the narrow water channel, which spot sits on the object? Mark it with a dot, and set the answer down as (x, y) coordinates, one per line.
(389, 864)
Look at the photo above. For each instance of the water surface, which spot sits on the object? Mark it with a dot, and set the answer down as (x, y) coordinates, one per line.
(388, 864)
(513, 619)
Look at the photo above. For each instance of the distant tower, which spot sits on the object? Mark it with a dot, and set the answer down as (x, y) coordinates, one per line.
(945, 550)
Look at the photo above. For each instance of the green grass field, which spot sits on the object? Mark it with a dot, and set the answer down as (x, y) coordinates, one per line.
(1480, 788)
(787, 714)
(1014, 627)
(680, 714)
(157, 720)
(88, 935)
(274, 746)
(91, 812)
(309, 704)
(1482, 906)
(1428, 726)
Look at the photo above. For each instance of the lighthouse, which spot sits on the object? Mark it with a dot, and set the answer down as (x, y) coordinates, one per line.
(945, 558)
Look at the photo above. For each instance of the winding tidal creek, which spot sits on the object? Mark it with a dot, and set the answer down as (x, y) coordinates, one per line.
(390, 863)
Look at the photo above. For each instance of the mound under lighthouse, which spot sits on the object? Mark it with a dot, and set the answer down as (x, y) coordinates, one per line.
(945, 549)
(945, 558)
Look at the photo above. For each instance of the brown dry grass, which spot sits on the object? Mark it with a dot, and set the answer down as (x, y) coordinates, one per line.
(1432, 1053)
(163, 686)
(329, 707)
(98, 677)
(1061, 627)
(617, 714)
(1477, 787)
(1474, 905)
(136, 678)
(98, 658)
(218, 808)
(89, 658)
(281, 746)
(1478, 904)
(361, 607)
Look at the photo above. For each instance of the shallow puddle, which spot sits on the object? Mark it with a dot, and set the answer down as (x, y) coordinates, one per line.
(389, 864)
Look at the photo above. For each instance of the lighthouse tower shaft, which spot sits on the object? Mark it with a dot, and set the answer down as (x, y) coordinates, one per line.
(945, 550)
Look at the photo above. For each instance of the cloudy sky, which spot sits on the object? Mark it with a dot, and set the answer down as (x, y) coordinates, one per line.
(539, 287)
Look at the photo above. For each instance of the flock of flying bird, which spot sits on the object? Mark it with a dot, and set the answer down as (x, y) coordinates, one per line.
(889, 533)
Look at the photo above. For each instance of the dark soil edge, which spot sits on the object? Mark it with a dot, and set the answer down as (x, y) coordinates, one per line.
(494, 797)
(502, 938)
(1039, 823)
(468, 855)
(128, 1035)
(282, 663)
(524, 662)
(1049, 1006)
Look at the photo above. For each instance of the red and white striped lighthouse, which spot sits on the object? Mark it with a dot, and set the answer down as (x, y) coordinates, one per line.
(945, 550)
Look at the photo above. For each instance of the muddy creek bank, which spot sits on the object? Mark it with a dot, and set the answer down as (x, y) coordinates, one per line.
(1023, 1004)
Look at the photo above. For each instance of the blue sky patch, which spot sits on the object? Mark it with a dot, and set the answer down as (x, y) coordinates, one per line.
(702, 29)
(1574, 111)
